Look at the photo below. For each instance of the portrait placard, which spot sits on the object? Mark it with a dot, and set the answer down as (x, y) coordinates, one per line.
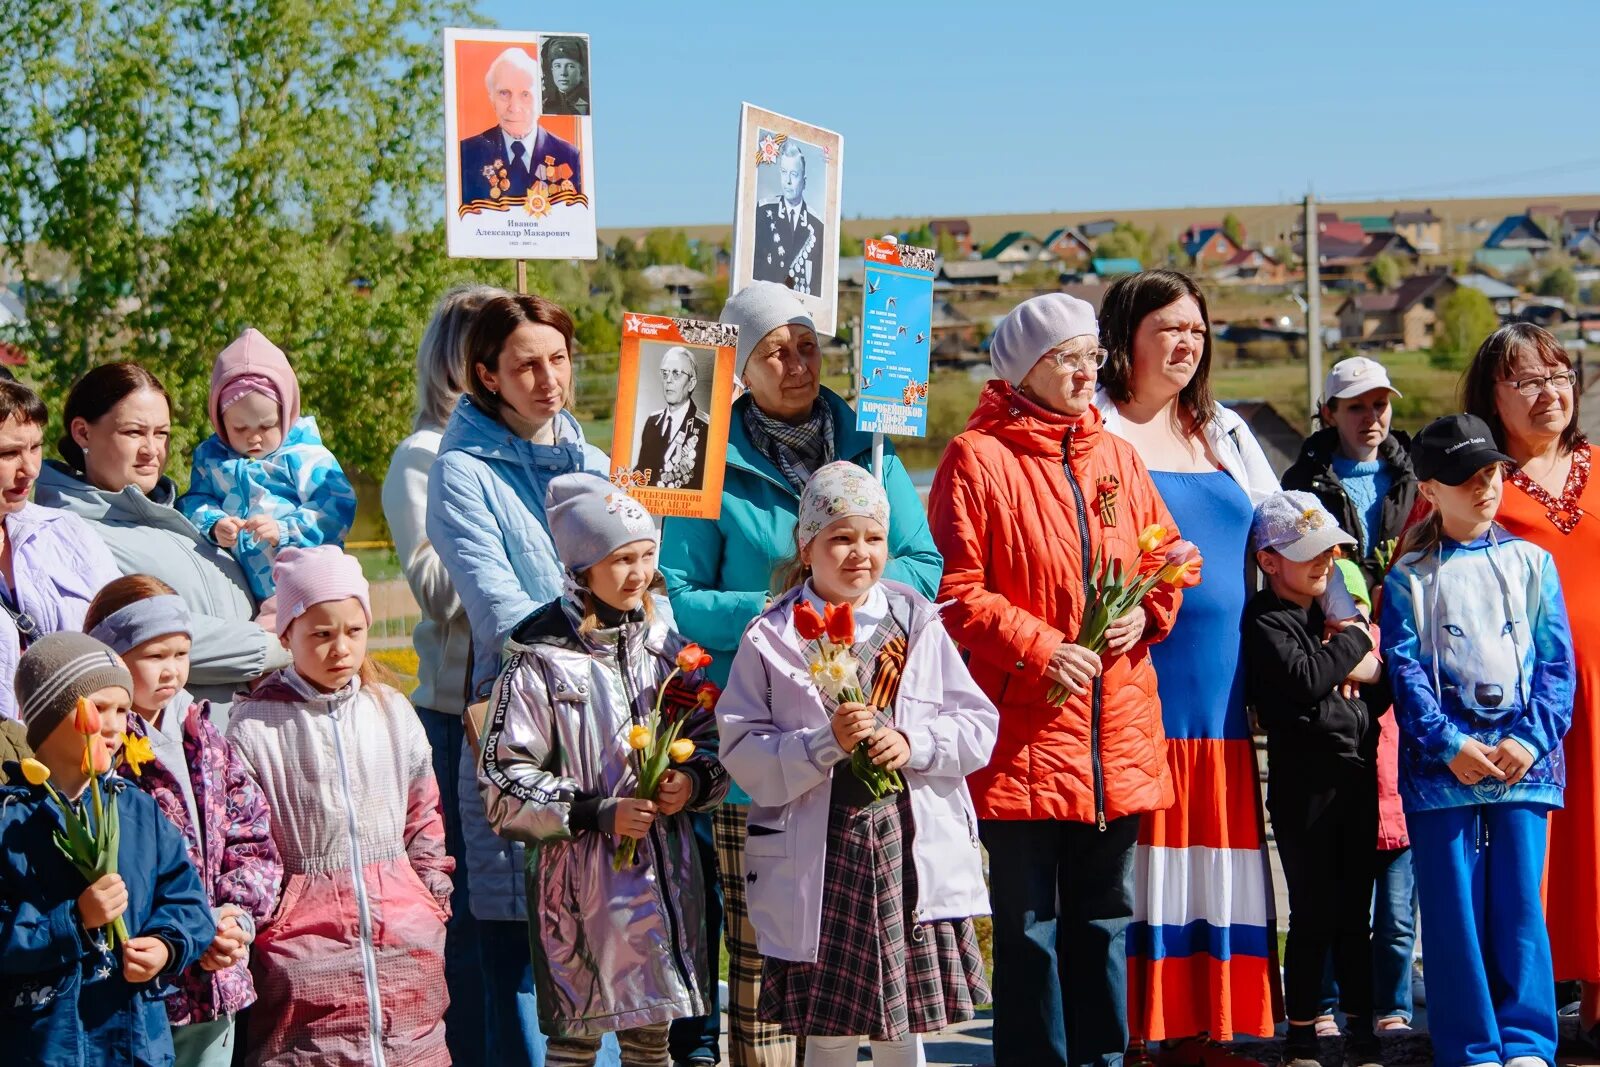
(896, 339)
(669, 438)
(786, 212)
(519, 152)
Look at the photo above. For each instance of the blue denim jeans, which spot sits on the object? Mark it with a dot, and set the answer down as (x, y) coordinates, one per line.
(1062, 896)
(1394, 937)
(463, 972)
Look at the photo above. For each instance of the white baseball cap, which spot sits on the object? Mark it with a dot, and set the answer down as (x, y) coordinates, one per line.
(1354, 376)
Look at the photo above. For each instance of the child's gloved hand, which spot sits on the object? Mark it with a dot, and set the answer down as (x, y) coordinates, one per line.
(143, 958)
(102, 903)
(226, 531)
(672, 793)
(1513, 759)
(1474, 763)
(265, 528)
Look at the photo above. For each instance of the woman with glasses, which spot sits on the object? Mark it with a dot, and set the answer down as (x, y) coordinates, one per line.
(1202, 949)
(51, 562)
(1521, 383)
(1024, 502)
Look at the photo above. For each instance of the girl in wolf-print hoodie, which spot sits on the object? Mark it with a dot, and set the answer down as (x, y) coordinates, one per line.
(202, 788)
(350, 970)
(264, 481)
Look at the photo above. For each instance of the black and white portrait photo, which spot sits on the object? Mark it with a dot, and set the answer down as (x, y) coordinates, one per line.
(565, 63)
(790, 235)
(786, 218)
(675, 389)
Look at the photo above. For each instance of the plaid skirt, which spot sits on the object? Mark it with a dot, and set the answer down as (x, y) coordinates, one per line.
(877, 974)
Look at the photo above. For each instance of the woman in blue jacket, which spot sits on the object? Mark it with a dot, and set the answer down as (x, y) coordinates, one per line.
(719, 571)
(509, 435)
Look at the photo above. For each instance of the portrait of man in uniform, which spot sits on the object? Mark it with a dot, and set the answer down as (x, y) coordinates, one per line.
(566, 75)
(504, 160)
(672, 443)
(789, 238)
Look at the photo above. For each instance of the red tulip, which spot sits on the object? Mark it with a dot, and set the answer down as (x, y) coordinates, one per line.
(841, 623)
(96, 755)
(807, 623)
(692, 658)
(708, 695)
(86, 720)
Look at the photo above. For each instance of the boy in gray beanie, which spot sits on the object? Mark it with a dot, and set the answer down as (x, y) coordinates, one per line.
(56, 670)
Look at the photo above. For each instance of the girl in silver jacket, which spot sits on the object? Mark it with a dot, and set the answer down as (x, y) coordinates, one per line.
(613, 950)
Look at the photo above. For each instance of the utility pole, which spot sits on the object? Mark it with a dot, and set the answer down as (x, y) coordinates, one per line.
(1313, 310)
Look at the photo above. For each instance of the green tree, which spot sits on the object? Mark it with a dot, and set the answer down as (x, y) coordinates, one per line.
(1465, 318)
(850, 246)
(1233, 229)
(1384, 272)
(1560, 282)
(947, 245)
(1126, 241)
(202, 167)
(667, 246)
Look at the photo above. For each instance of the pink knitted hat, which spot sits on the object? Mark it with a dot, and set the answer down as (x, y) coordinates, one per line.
(251, 354)
(310, 576)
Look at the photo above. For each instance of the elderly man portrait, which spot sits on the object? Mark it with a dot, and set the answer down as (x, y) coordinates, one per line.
(789, 238)
(566, 76)
(672, 446)
(504, 160)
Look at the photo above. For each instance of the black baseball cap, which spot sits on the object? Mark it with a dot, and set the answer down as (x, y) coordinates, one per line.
(1454, 448)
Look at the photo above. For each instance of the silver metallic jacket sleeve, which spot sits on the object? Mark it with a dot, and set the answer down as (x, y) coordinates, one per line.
(523, 796)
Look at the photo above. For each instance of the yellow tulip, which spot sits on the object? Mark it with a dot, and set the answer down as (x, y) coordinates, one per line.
(35, 772)
(680, 749)
(639, 738)
(137, 752)
(1151, 537)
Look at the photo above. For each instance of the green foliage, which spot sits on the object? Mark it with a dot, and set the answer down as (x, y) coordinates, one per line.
(1178, 257)
(1466, 317)
(1560, 282)
(668, 247)
(922, 237)
(947, 246)
(1384, 272)
(850, 246)
(1233, 229)
(1127, 241)
(203, 167)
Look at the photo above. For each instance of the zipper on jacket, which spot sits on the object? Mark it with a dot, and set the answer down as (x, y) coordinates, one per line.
(369, 958)
(658, 835)
(1085, 551)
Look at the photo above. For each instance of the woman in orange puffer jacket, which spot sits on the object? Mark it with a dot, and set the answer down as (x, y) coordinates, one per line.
(1023, 502)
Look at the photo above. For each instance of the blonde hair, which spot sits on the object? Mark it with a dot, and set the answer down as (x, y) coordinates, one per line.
(1421, 537)
(442, 355)
(591, 612)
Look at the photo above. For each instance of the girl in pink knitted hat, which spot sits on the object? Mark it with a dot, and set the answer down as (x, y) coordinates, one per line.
(264, 481)
(350, 970)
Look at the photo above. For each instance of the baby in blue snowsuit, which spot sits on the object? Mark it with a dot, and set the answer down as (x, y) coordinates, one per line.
(264, 481)
(1479, 653)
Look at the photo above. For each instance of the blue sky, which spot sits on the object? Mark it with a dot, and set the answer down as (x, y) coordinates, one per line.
(976, 108)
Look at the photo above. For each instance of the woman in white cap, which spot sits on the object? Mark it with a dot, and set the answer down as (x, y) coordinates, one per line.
(1023, 504)
(1202, 951)
(719, 571)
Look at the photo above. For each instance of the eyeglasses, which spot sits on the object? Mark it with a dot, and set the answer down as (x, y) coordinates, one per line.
(1093, 359)
(1561, 381)
(676, 373)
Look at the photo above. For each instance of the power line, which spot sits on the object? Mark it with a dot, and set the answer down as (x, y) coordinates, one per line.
(1554, 170)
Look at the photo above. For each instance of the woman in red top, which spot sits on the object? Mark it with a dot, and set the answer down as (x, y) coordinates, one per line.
(1522, 384)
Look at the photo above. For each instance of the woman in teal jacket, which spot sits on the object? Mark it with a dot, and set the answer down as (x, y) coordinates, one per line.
(719, 572)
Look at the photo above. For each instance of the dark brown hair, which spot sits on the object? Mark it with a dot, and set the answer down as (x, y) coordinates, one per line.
(19, 402)
(1493, 362)
(119, 593)
(492, 326)
(97, 393)
(1128, 301)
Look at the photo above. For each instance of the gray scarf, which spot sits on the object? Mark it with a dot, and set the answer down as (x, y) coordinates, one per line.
(795, 450)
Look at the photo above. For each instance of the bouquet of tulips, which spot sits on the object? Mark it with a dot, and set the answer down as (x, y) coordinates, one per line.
(1114, 591)
(90, 840)
(838, 673)
(657, 740)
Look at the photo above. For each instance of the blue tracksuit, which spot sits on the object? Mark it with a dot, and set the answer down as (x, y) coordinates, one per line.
(63, 1000)
(1477, 645)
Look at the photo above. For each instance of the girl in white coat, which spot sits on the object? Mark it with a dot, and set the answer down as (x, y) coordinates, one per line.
(862, 904)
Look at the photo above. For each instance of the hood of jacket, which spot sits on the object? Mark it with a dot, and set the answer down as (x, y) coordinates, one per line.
(59, 486)
(252, 353)
(475, 432)
(1032, 429)
(1318, 450)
